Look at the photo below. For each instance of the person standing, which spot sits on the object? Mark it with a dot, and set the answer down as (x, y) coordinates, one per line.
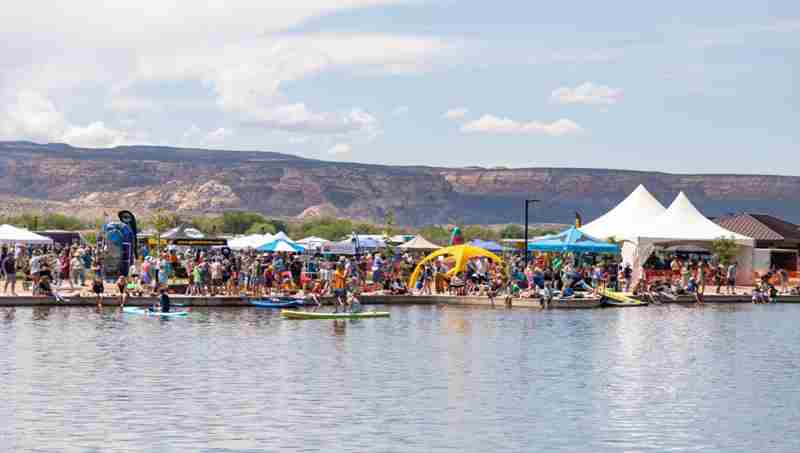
(784, 274)
(10, 270)
(65, 269)
(340, 287)
(98, 286)
(731, 278)
(35, 268)
(76, 270)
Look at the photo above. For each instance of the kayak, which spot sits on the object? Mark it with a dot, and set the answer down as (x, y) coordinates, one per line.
(616, 299)
(278, 303)
(289, 314)
(145, 312)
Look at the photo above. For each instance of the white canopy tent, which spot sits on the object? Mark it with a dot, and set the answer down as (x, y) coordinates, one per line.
(312, 242)
(419, 243)
(624, 221)
(251, 241)
(10, 234)
(683, 224)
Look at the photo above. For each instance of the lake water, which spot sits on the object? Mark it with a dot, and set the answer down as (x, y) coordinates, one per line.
(429, 379)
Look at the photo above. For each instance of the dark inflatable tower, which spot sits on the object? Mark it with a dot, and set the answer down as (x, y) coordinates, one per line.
(119, 245)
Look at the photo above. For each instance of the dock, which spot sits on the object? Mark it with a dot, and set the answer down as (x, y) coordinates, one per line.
(244, 301)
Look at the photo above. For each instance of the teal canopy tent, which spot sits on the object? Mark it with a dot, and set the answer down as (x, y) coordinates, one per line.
(281, 245)
(572, 240)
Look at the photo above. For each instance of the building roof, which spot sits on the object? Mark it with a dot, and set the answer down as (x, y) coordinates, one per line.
(761, 227)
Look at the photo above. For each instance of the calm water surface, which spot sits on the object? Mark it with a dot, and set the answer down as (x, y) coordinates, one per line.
(670, 378)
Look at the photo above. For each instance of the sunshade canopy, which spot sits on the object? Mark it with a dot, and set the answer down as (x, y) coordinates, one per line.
(572, 240)
(281, 245)
(682, 223)
(625, 219)
(419, 243)
(250, 242)
(10, 234)
(488, 245)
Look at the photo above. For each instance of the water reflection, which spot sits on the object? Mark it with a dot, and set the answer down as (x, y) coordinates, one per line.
(427, 379)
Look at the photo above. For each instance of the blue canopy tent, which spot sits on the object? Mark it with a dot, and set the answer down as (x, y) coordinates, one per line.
(282, 245)
(572, 240)
(487, 245)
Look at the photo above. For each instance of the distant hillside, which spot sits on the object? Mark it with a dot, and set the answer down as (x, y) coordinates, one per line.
(196, 180)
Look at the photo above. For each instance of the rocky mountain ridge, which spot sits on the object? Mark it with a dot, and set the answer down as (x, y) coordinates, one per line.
(195, 180)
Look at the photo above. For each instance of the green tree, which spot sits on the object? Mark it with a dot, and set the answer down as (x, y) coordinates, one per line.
(472, 232)
(436, 234)
(238, 222)
(40, 221)
(330, 228)
(208, 224)
(261, 228)
(91, 237)
(279, 225)
(162, 221)
(512, 231)
(725, 249)
(62, 222)
(389, 222)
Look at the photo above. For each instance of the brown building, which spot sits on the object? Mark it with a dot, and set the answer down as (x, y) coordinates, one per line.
(777, 241)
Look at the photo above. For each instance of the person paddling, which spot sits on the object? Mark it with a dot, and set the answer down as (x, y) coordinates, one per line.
(164, 303)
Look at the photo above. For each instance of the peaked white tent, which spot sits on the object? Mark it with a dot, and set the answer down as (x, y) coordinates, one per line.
(419, 243)
(624, 220)
(683, 224)
(10, 234)
(281, 235)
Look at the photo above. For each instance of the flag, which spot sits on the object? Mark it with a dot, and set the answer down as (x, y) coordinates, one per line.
(578, 220)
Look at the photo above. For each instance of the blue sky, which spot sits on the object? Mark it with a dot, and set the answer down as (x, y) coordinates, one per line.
(675, 86)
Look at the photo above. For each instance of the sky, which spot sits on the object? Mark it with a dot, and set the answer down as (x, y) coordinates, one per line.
(679, 86)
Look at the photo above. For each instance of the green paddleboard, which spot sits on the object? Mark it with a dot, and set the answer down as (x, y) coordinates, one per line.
(290, 314)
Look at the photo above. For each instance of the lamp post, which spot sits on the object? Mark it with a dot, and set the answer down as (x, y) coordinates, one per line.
(527, 203)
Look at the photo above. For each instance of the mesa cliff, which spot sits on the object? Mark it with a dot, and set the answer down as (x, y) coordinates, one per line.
(145, 178)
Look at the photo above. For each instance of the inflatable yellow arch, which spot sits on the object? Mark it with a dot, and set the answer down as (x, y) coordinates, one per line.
(461, 254)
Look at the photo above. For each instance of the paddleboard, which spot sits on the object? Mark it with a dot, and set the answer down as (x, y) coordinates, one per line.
(289, 314)
(145, 312)
(616, 299)
(278, 303)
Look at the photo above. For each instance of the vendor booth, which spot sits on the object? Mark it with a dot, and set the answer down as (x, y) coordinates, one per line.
(189, 237)
(682, 224)
(572, 240)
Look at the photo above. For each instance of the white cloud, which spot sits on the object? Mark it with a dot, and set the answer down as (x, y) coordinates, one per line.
(456, 113)
(31, 115)
(495, 125)
(340, 148)
(400, 110)
(195, 136)
(586, 93)
(238, 55)
(95, 135)
(219, 135)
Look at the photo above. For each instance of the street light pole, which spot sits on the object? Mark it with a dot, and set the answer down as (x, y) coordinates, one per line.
(527, 203)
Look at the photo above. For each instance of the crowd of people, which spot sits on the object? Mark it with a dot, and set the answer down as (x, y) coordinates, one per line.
(221, 271)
